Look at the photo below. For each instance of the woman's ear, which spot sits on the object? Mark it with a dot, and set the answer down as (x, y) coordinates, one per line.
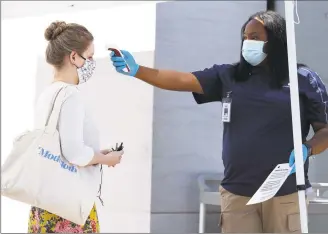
(266, 47)
(72, 57)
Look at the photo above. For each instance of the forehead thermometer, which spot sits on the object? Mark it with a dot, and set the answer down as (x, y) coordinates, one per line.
(118, 53)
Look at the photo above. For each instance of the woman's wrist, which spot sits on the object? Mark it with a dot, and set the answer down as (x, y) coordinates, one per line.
(98, 158)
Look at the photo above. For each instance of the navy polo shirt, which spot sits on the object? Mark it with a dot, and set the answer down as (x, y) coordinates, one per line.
(260, 135)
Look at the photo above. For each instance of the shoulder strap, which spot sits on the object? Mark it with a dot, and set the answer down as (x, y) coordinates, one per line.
(53, 117)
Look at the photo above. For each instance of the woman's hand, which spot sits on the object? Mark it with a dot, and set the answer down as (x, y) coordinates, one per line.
(292, 158)
(113, 158)
(120, 63)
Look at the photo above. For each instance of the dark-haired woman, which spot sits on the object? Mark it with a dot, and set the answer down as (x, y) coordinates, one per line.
(253, 145)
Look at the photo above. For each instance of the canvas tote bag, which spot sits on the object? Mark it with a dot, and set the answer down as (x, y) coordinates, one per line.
(36, 172)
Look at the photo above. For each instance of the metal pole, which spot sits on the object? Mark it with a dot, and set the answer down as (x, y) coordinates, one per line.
(294, 94)
(202, 213)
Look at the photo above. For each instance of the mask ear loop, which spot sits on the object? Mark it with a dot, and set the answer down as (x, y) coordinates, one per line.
(296, 12)
(81, 57)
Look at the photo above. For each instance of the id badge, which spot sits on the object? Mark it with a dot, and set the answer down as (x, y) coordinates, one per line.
(226, 109)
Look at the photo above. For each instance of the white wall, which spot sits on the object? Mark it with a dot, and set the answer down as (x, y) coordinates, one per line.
(127, 188)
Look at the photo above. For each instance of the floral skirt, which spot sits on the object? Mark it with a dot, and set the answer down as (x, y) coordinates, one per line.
(42, 221)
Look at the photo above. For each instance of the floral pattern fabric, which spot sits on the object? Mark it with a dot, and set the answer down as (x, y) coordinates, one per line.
(42, 221)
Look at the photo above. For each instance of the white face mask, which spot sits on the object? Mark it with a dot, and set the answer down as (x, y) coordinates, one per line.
(86, 71)
(252, 52)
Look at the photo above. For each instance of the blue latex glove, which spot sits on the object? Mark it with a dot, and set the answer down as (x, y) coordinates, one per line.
(292, 158)
(120, 63)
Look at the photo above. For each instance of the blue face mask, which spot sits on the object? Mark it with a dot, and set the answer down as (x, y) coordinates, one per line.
(252, 52)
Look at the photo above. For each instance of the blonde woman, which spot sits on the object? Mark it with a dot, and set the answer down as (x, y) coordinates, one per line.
(70, 51)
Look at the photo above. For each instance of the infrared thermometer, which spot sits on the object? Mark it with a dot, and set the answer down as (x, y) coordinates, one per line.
(118, 53)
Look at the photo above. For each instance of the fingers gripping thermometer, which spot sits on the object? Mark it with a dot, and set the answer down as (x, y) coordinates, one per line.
(118, 53)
